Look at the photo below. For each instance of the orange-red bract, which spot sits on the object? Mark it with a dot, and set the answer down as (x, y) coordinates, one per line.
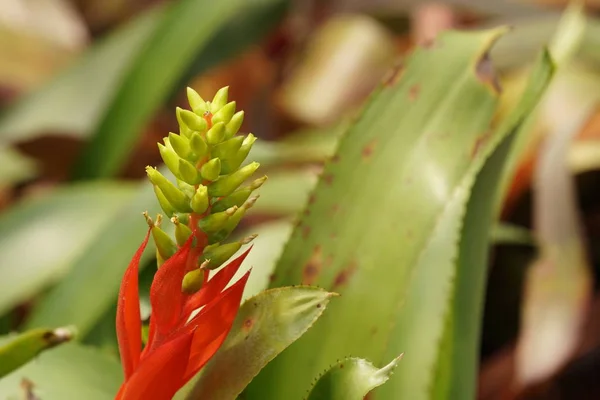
(179, 345)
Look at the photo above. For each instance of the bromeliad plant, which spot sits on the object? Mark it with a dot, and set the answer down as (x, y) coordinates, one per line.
(206, 205)
(192, 310)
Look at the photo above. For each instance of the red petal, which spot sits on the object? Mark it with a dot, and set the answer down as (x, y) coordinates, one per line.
(129, 322)
(160, 375)
(215, 285)
(214, 323)
(166, 296)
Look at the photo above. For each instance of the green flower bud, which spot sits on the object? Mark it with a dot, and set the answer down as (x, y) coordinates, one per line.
(173, 195)
(184, 130)
(224, 114)
(211, 170)
(189, 174)
(164, 244)
(164, 203)
(170, 158)
(197, 103)
(181, 145)
(182, 231)
(200, 200)
(198, 145)
(216, 134)
(227, 151)
(220, 254)
(219, 100)
(193, 121)
(233, 222)
(159, 259)
(227, 184)
(236, 198)
(234, 125)
(186, 188)
(258, 182)
(243, 151)
(193, 280)
(216, 221)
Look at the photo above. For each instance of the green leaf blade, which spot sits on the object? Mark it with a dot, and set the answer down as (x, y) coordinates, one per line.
(383, 195)
(351, 379)
(266, 324)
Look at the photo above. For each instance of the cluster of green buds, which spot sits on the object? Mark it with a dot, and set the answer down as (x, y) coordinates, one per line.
(208, 199)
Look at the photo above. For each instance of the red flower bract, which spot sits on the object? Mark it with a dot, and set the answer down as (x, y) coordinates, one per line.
(179, 345)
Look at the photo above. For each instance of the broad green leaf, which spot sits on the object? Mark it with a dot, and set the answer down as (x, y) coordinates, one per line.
(98, 74)
(266, 250)
(285, 192)
(187, 27)
(22, 348)
(385, 220)
(265, 325)
(351, 379)
(73, 102)
(96, 272)
(41, 237)
(70, 371)
(457, 365)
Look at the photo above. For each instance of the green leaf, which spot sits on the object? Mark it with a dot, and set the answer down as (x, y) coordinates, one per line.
(459, 356)
(96, 273)
(41, 237)
(285, 192)
(386, 218)
(15, 167)
(265, 325)
(505, 233)
(187, 27)
(70, 371)
(20, 349)
(351, 379)
(73, 102)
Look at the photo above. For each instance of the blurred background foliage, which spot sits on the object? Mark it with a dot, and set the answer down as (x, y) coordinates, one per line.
(87, 88)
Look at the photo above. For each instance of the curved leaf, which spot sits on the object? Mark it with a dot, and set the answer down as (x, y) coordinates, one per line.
(73, 102)
(351, 379)
(22, 348)
(266, 324)
(385, 221)
(41, 237)
(70, 371)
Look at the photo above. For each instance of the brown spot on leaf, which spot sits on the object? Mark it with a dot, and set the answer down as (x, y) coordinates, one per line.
(328, 179)
(312, 269)
(306, 232)
(479, 144)
(248, 323)
(344, 275)
(484, 69)
(413, 92)
(392, 77)
(335, 208)
(335, 159)
(318, 305)
(368, 150)
(312, 198)
(272, 278)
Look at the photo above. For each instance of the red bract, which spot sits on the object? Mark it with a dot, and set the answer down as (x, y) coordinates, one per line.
(179, 344)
